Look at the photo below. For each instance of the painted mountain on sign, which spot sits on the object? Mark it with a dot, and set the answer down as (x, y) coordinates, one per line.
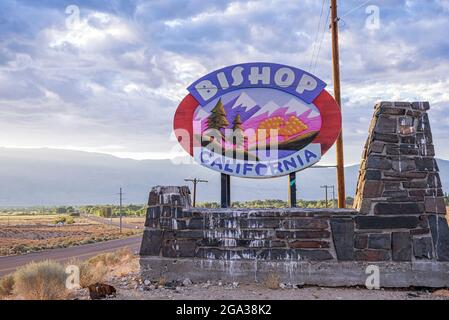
(284, 125)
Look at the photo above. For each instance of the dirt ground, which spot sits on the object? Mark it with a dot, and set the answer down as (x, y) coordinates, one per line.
(25, 234)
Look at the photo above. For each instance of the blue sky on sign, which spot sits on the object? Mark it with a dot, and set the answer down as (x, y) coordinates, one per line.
(110, 80)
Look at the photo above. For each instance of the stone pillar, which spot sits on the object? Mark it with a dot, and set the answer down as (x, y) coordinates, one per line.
(398, 173)
(165, 204)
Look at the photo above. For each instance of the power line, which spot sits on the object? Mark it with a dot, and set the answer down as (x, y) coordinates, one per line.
(322, 40)
(316, 36)
(195, 182)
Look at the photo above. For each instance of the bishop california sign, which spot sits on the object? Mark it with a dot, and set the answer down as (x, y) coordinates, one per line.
(257, 120)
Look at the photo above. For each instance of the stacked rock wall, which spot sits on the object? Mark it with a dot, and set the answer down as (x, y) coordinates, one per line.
(398, 222)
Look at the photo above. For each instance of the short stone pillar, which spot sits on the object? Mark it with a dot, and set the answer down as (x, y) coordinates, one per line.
(165, 204)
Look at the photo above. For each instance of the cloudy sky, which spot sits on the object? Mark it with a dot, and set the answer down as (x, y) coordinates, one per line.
(107, 76)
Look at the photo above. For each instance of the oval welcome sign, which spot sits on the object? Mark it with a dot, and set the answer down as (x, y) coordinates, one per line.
(257, 120)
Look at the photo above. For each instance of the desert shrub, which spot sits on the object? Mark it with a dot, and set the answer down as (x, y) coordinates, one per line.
(41, 281)
(91, 273)
(65, 220)
(272, 281)
(69, 220)
(6, 285)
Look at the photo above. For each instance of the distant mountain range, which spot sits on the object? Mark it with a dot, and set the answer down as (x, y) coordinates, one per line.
(30, 177)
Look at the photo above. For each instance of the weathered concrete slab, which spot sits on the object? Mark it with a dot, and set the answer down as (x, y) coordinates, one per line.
(331, 274)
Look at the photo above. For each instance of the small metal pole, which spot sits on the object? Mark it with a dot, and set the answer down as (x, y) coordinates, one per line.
(225, 190)
(292, 189)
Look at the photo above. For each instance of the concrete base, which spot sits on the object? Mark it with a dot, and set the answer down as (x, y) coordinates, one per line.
(329, 274)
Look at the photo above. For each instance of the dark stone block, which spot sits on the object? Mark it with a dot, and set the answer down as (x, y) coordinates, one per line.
(306, 234)
(361, 241)
(440, 236)
(373, 175)
(343, 237)
(195, 223)
(419, 193)
(372, 255)
(261, 223)
(406, 175)
(417, 184)
(408, 150)
(392, 186)
(391, 110)
(153, 198)
(423, 106)
(379, 241)
(435, 205)
(376, 147)
(433, 180)
(308, 244)
(378, 162)
(402, 104)
(399, 193)
(403, 165)
(372, 189)
(151, 243)
(408, 139)
(401, 246)
(168, 249)
(386, 124)
(398, 208)
(386, 137)
(418, 232)
(370, 222)
(305, 223)
(425, 164)
(189, 234)
(313, 255)
(427, 150)
(392, 150)
(186, 248)
(422, 248)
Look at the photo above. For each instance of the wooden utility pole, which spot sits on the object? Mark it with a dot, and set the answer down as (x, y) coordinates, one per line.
(121, 204)
(337, 96)
(325, 187)
(195, 182)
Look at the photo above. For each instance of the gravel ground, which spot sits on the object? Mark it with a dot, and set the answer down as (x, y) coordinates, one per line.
(131, 287)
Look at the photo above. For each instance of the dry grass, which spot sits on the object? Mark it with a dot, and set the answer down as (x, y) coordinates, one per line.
(41, 281)
(119, 263)
(106, 265)
(272, 281)
(6, 285)
(47, 280)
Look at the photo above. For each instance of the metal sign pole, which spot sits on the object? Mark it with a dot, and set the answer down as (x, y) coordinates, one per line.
(225, 190)
(292, 189)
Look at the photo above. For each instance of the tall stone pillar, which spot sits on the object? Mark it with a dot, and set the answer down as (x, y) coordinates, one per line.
(399, 182)
(398, 172)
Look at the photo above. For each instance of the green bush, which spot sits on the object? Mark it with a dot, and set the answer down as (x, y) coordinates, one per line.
(41, 281)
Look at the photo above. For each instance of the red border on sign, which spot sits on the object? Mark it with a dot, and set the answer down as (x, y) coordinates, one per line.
(326, 104)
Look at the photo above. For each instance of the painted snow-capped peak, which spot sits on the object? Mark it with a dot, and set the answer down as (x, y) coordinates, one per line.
(244, 100)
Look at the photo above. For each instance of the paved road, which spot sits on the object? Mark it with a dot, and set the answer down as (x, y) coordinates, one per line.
(10, 263)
